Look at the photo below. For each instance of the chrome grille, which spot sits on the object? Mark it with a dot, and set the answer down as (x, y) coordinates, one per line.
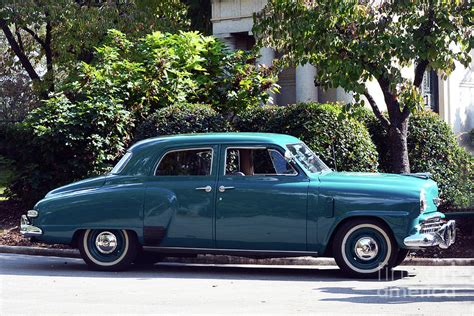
(431, 225)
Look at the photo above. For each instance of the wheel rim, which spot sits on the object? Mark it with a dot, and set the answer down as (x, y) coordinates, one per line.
(106, 247)
(106, 242)
(366, 248)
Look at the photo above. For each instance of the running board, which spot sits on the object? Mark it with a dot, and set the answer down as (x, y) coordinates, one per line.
(232, 252)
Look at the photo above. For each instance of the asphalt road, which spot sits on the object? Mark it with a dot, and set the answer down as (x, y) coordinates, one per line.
(48, 285)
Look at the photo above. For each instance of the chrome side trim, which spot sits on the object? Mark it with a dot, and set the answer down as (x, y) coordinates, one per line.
(236, 252)
(28, 230)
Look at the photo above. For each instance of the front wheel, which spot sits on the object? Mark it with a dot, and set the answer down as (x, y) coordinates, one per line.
(364, 248)
(108, 249)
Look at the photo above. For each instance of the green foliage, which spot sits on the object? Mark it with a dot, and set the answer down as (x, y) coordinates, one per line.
(163, 69)
(57, 34)
(182, 119)
(353, 41)
(6, 173)
(81, 130)
(432, 147)
(64, 141)
(322, 127)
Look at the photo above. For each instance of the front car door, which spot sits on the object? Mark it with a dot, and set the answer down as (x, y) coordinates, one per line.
(180, 196)
(261, 200)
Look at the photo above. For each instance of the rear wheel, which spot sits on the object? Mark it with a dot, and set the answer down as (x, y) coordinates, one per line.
(364, 248)
(108, 249)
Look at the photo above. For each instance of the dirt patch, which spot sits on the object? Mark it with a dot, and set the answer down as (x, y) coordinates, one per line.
(10, 213)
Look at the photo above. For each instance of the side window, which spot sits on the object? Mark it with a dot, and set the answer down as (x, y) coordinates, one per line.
(192, 162)
(258, 161)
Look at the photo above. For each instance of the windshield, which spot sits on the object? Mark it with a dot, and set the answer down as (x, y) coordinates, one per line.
(121, 164)
(307, 158)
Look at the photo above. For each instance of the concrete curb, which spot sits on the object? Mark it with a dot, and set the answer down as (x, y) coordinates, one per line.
(221, 259)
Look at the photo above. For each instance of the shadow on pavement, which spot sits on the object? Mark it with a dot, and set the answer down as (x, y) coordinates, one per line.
(67, 267)
(399, 295)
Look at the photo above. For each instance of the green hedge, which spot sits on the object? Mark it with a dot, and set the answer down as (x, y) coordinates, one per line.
(61, 142)
(322, 127)
(182, 119)
(432, 147)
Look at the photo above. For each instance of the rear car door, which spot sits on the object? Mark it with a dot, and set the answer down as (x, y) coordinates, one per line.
(179, 202)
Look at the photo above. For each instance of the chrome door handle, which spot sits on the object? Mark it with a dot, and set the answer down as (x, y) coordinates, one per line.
(207, 188)
(223, 188)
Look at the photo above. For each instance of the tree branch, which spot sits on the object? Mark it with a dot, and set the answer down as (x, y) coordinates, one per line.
(35, 36)
(18, 37)
(376, 109)
(419, 72)
(25, 62)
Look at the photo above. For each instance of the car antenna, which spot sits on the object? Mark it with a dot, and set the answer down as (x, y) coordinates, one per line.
(334, 156)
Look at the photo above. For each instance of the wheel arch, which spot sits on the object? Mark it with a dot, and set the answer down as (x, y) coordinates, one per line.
(328, 246)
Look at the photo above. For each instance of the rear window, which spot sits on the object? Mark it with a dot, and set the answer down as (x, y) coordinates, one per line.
(122, 163)
(186, 162)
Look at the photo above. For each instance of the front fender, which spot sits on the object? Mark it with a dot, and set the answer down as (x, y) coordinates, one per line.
(399, 222)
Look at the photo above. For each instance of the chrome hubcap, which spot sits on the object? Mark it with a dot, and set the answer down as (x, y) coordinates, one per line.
(366, 248)
(106, 242)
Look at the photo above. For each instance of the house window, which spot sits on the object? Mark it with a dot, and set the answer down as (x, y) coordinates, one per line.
(429, 90)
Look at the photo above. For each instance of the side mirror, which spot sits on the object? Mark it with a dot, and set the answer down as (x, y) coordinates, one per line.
(289, 156)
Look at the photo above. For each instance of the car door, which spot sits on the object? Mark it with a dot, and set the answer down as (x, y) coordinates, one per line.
(180, 199)
(261, 200)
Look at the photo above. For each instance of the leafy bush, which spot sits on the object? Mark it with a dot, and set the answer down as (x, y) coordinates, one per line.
(64, 141)
(323, 127)
(84, 128)
(160, 70)
(182, 119)
(432, 147)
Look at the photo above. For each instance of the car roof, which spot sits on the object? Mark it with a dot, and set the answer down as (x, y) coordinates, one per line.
(215, 138)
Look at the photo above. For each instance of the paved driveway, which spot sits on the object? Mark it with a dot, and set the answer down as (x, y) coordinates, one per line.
(48, 285)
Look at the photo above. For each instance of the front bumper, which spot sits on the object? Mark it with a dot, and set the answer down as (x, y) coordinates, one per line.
(28, 230)
(435, 232)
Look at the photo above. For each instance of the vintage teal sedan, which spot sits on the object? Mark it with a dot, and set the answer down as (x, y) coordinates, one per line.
(246, 194)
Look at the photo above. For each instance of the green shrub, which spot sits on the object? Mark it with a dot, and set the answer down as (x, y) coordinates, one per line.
(432, 147)
(162, 69)
(322, 127)
(63, 141)
(84, 128)
(182, 119)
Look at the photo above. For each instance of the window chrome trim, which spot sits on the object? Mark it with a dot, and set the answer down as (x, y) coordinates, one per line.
(307, 172)
(186, 149)
(123, 164)
(255, 175)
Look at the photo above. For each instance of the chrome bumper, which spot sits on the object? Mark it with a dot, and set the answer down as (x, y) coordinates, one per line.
(430, 233)
(28, 230)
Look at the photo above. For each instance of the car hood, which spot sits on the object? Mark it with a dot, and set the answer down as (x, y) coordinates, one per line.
(86, 184)
(408, 183)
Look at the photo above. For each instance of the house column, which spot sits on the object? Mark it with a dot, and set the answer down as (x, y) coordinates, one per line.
(306, 91)
(267, 55)
(344, 97)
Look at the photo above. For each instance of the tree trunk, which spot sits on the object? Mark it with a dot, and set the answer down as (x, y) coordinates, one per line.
(398, 150)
